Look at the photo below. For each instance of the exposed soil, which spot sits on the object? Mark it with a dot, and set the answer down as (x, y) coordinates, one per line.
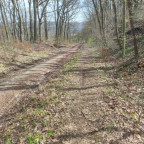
(82, 104)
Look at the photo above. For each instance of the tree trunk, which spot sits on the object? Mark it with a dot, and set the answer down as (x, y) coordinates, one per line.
(124, 26)
(20, 28)
(25, 25)
(116, 25)
(4, 22)
(129, 4)
(16, 5)
(45, 26)
(40, 35)
(98, 18)
(30, 18)
(35, 19)
(102, 24)
(14, 23)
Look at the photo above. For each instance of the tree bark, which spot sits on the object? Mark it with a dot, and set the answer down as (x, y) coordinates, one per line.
(124, 27)
(30, 23)
(4, 22)
(116, 24)
(45, 26)
(35, 19)
(129, 4)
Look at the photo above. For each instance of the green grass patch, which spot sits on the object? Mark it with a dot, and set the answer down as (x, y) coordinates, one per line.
(141, 96)
(3, 67)
(50, 133)
(128, 50)
(131, 49)
(90, 42)
(39, 111)
(141, 40)
(8, 141)
(34, 139)
(7, 47)
(72, 62)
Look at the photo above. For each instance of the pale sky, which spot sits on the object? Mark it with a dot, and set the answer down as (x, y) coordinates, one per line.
(80, 17)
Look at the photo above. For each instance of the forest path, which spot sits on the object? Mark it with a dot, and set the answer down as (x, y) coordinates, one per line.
(93, 105)
(84, 110)
(11, 89)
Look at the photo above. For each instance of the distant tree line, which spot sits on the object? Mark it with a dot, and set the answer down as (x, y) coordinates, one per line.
(24, 20)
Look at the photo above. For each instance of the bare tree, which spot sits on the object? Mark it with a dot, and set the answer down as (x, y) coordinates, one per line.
(124, 26)
(116, 23)
(4, 20)
(129, 3)
(30, 20)
(35, 3)
(41, 8)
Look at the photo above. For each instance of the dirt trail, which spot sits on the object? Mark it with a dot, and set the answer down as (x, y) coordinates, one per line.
(82, 105)
(92, 116)
(11, 89)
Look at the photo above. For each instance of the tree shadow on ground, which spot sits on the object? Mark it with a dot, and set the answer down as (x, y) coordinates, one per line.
(85, 88)
(126, 133)
(25, 78)
(90, 69)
